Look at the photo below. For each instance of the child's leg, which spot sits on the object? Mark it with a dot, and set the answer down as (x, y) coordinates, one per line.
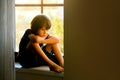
(57, 53)
(39, 51)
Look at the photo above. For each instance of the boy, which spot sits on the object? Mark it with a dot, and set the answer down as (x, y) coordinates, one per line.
(38, 47)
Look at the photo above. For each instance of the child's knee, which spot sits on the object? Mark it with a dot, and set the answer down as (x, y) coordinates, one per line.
(48, 47)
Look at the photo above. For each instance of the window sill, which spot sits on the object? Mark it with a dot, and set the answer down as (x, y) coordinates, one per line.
(37, 73)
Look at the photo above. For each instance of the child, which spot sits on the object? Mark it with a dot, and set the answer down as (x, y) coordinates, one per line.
(38, 47)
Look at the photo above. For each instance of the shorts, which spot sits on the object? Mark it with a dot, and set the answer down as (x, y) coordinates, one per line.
(29, 59)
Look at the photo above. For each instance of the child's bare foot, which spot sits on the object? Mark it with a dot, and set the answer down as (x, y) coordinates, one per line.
(57, 69)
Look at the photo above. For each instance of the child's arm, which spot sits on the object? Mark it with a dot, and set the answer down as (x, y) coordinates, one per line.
(43, 40)
(50, 40)
(35, 38)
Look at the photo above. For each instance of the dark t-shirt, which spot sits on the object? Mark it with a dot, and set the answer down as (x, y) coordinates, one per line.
(28, 58)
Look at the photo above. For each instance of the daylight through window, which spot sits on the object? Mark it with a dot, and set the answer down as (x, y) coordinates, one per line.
(27, 9)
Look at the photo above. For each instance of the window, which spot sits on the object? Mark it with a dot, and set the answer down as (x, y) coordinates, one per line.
(27, 9)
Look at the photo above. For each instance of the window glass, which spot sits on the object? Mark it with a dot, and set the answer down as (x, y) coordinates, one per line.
(24, 15)
(53, 1)
(27, 1)
(56, 16)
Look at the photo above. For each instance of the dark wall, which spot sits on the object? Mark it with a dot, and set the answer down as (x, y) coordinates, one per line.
(92, 39)
(7, 39)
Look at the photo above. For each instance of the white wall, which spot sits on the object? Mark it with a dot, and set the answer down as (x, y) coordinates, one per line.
(92, 40)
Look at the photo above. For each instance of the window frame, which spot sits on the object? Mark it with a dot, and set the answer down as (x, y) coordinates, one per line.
(41, 5)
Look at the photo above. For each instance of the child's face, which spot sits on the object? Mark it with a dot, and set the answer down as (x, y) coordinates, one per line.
(42, 32)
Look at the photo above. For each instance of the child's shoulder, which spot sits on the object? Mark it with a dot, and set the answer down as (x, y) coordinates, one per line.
(28, 31)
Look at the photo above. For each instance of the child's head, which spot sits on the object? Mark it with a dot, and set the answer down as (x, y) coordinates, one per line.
(39, 22)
